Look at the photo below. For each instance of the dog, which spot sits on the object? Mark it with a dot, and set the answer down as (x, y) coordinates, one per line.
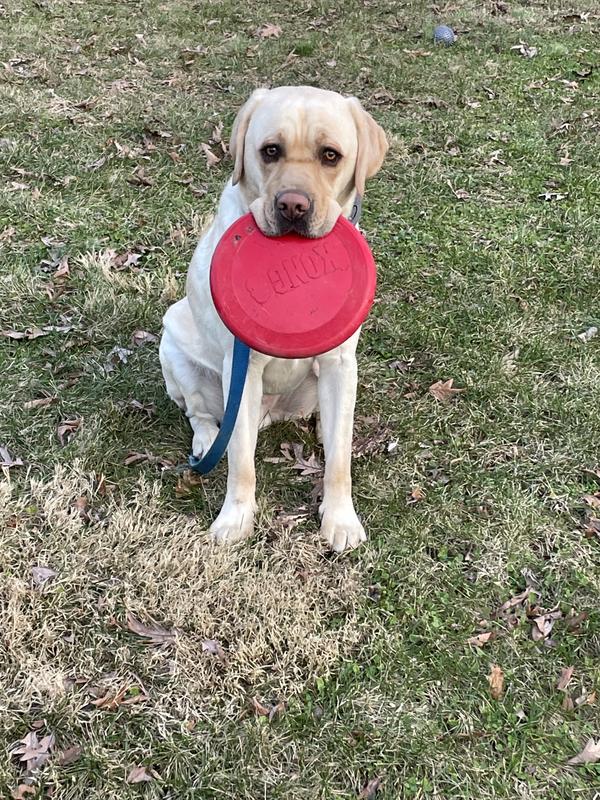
(301, 157)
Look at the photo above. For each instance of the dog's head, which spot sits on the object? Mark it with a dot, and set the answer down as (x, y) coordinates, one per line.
(299, 156)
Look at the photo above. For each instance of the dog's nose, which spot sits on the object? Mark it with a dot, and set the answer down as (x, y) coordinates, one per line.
(292, 205)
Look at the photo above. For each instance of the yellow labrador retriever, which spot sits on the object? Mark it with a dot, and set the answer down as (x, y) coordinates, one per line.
(301, 156)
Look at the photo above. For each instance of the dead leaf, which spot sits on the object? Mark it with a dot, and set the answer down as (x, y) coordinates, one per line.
(154, 633)
(515, 601)
(143, 408)
(81, 506)
(525, 50)
(291, 520)
(589, 755)
(481, 638)
(589, 334)
(63, 268)
(261, 710)
(211, 158)
(35, 752)
(417, 493)
(112, 699)
(566, 674)
(67, 429)
(567, 704)
(138, 458)
(123, 260)
(140, 178)
(29, 333)
(591, 528)
(306, 466)
(592, 500)
(496, 681)
(444, 391)
(574, 621)
(370, 789)
(40, 402)
(69, 756)
(214, 648)
(543, 624)
(550, 197)
(40, 576)
(117, 356)
(373, 442)
(140, 338)
(22, 790)
(6, 460)
(138, 775)
(268, 31)
(418, 53)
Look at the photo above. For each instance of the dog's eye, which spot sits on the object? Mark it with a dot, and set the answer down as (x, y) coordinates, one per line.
(330, 156)
(271, 152)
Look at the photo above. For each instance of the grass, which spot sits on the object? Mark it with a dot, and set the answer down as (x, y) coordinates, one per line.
(481, 280)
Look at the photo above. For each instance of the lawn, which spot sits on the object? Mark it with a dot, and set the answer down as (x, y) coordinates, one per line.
(136, 658)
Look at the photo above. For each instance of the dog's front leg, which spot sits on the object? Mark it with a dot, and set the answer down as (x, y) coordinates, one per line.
(236, 518)
(337, 394)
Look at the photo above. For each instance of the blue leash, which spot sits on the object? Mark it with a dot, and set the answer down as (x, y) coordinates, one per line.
(239, 369)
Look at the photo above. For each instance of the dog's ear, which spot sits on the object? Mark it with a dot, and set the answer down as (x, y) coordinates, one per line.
(372, 145)
(239, 130)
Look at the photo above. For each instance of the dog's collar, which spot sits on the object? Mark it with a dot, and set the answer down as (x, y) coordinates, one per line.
(354, 217)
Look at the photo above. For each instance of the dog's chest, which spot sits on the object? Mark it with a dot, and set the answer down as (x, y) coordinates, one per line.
(282, 375)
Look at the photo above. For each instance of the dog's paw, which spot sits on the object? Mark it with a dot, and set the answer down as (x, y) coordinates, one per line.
(204, 435)
(342, 529)
(233, 524)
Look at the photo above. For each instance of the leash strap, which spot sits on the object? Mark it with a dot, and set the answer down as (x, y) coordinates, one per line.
(239, 368)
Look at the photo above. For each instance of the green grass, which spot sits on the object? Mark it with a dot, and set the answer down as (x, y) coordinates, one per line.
(369, 650)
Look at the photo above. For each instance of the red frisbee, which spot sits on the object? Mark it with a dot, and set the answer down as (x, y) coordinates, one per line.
(290, 296)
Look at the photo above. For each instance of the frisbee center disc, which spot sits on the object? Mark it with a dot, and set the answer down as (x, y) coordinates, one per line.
(293, 290)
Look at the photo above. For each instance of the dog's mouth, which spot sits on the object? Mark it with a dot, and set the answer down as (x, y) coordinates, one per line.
(309, 225)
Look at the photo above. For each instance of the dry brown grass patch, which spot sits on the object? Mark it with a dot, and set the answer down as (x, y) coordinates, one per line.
(282, 612)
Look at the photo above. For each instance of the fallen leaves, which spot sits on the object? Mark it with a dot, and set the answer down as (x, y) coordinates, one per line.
(34, 332)
(294, 452)
(211, 159)
(127, 695)
(543, 624)
(33, 751)
(138, 775)
(116, 357)
(67, 430)
(481, 639)
(525, 50)
(370, 789)
(267, 710)
(444, 391)
(8, 461)
(550, 196)
(214, 648)
(22, 790)
(268, 31)
(564, 680)
(69, 755)
(375, 441)
(146, 457)
(588, 335)
(153, 633)
(496, 682)
(140, 338)
(40, 576)
(589, 755)
(40, 402)
(139, 177)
